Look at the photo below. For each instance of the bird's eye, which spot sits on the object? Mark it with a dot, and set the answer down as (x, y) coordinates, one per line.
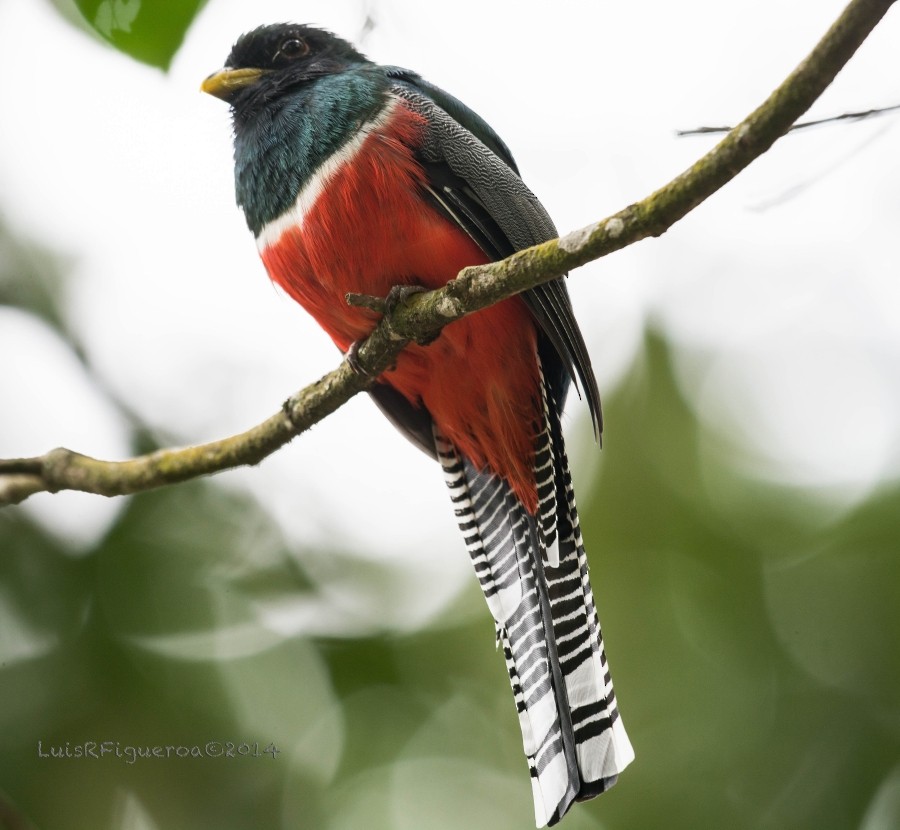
(292, 48)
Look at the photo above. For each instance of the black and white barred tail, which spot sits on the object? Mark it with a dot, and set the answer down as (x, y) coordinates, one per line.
(534, 575)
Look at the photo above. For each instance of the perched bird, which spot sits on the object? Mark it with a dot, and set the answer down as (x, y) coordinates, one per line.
(356, 177)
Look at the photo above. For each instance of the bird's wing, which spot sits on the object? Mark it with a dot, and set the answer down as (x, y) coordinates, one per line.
(473, 180)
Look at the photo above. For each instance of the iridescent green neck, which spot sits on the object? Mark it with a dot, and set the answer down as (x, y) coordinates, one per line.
(281, 146)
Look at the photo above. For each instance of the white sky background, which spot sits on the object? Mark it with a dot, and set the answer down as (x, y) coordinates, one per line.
(782, 290)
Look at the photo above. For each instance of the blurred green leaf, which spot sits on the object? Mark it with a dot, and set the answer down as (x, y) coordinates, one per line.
(94, 649)
(752, 634)
(753, 642)
(32, 279)
(148, 30)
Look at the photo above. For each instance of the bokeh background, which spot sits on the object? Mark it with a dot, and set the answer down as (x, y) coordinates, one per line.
(742, 519)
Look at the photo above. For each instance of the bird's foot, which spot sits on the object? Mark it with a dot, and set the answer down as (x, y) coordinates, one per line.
(384, 305)
(352, 357)
(397, 295)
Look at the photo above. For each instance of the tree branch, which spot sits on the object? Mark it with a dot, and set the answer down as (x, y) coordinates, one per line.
(422, 316)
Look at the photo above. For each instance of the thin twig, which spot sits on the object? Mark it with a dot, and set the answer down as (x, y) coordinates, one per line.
(801, 125)
(423, 315)
(365, 301)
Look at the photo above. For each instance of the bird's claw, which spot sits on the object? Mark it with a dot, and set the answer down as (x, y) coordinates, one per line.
(352, 357)
(397, 295)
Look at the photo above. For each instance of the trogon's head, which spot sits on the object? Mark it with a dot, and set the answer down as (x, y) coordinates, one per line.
(275, 59)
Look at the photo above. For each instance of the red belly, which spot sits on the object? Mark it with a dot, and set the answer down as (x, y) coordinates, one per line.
(370, 231)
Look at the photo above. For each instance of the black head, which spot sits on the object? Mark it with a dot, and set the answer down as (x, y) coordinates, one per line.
(272, 59)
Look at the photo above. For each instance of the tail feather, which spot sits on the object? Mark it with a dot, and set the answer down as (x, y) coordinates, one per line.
(602, 746)
(534, 574)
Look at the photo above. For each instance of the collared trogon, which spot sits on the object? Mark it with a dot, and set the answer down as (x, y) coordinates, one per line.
(356, 177)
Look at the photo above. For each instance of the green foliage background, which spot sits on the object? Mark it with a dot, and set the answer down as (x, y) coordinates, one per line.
(753, 631)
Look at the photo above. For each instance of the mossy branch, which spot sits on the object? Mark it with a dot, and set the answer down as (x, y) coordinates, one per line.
(422, 316)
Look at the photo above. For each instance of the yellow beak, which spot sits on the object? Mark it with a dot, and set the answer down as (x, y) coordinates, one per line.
(226, 82)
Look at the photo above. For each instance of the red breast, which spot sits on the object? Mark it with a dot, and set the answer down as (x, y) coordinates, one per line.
(369, 229)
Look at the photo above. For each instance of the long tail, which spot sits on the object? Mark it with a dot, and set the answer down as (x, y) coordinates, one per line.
(534, 574)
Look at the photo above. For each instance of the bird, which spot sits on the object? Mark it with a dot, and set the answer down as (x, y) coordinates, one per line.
(357, 177)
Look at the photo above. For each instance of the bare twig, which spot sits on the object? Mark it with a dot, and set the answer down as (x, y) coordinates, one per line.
(366, 301)
(800, 125)
(422, 316)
